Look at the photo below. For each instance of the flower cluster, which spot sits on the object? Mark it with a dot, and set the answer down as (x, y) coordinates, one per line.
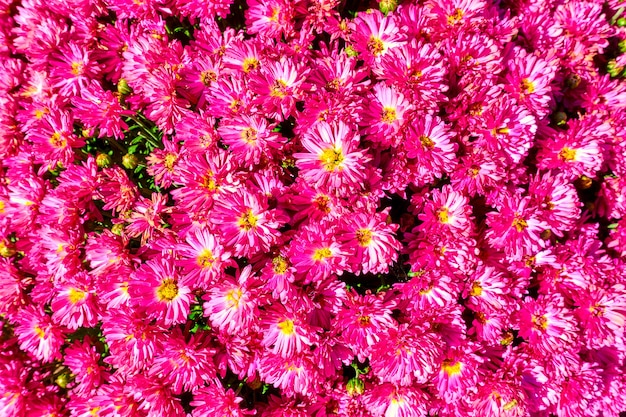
(311, 208)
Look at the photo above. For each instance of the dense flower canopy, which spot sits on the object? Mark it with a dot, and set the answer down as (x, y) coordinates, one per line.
(312, 208)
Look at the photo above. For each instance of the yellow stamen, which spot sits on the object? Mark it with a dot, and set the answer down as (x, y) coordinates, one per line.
(332, 159)
(540, 322)
(249, 135)
(389, 115)
(321, 254)
(205, 259)
(364, 237)
(443, 215)
(75, 295)
(286, 327)
(527, 86)
(476, 290)
(57, 140)
(39, 332)
(567, 154)
(451, 368)
(250, 64)
(426, 142)
(519, 224)
(280, 265)
(375, 46)
(168, 290)
(247, 220)
(233, 297)
(169, 161)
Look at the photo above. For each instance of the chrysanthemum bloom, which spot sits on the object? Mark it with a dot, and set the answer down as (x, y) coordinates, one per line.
(558, 201)
(448, 212)
(487, 288)
(389, 400)
(285, 332)
(270, 18)
(364, 321)
(459, 371)
(246, 223)
(248, 137)
(214, 400)
(72, 69)
(429, 142)
(202, 257)
(370, 241)
(516, 227)
(13, 286)
(166, 107)
(309, 203)
(279, 86)
(577, 151)
(315, 253)
(499, 397)
(602, 315)
(82, 358)
(185, 363)
(98, 108)
(38, 335)
(132, 340)
(230, 305)
(22, 205)
(117, 191)
(332, 159)
(158, 289)
(335, 72)
(585, 23)
(385, 115)
(293, 375)
(229, 96)
(75, 304)
(546, 324)
(376, 34)
(161, 163)
(148, 217)
(197, 132)
(529, 77)
(408, 355)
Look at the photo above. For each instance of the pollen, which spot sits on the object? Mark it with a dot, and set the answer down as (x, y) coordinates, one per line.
(444, 215)
(527, 86)
(286, 327)
(247, 220)
(540, 322)
(389, 115)
(519, 224)
(375, 46)
(364, 237)
(250, 64)
(207, 77)
(39, 332)
(208, 182)
(321, 203)
(476, 290)
(426, 142)
(168, 290)
(249, 135)
(455, 17)
(76, 296)
(510, 405)
(321, 254)
(77, 68)
(58, 140)
(233, 297)
(280, 265)
(450, 368)
(205, 259)
(332, 159)
(567, 154)
(278, 89)
(169, 161)
(364, 321)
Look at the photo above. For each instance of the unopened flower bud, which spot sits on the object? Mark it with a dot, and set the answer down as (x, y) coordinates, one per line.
(507, 338)
(572, 81)
(387, 6)
(622, 46)
(350, 51)
(117, 229)
(355, 386)
(613, 69)
(123, 88)
(621, 22)
(254, 382)
(62, 380)
(583, 183)
(546, 234)
(130, 161)
(103, 160)
(559, 118)
(6, 250)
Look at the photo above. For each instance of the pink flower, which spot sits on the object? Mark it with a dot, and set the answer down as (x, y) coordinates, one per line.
(75, 304)
(284, 332)
(214, 400)
(546, 324)
(203, 258)
(72, 69)
(98, 108)
(332, 158)
(385, 115)
(158, 289)
(38, 335)
(82, 358)
(376, 34)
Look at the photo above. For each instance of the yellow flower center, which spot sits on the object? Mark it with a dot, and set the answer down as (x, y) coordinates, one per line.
(519, 224)
(77, 68)
(443, 215)
(250, 64)
(364, 237)
(247, 220)
(169, 161)
(321, 202)
(278, 89)
(286, 327)
(567, 154)
(363, 321)
(321, 254)
(426, 142)
(389, 115)
(451, 368)
(58, 140)
(332, 159)
(527, 86)
(207, 77)
(280, 265)
(39, 332)
(168, 290)
(375, 46)
(249, 135)
(233, 297)
(540, 322)
(76, 295)
(476, 290)
(205, 259)
(455, 17)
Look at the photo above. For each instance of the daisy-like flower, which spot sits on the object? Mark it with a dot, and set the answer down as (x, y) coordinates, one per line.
(270, 18)
(161, 163)
(430, 142)
(376, 34)
(332, 159)
(558, 201)
(158, 289)
(546, 324)
(390, 400)
(486, 289)
(246, 223)
(72, 69)
(148, 217)
(516, 227)
(75, 304)
(100, 109)
(370, 242)
(602, 314)
(284, 332)
(202, 258)
(230, 305)
(38, 335)
(448, 212)
(385, 115)
(214, 400)
(82, 358)
(185, 363)
(292, 375)
(458, 372)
